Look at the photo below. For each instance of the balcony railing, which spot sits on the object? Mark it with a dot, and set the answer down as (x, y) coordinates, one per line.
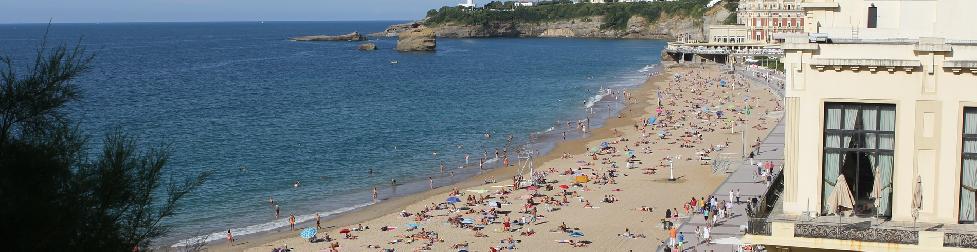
(960, 240)
(856, 232)
(758, 226)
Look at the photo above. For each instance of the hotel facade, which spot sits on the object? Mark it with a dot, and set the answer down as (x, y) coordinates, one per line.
(884, 94)
(766, 18)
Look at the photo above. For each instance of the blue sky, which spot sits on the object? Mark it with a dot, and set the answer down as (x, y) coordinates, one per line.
(74, 11)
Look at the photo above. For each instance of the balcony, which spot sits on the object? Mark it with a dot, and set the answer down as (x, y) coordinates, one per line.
(835, 232)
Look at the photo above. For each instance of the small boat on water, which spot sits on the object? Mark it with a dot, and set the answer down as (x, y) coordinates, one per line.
(394, 62)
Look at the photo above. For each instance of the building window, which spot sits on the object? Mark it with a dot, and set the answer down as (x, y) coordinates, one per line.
(858, 143)
(968, 175)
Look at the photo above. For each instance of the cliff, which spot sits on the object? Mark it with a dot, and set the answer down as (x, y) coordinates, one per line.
(665, 26)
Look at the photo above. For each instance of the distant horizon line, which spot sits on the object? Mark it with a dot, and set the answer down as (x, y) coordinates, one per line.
(215, 21)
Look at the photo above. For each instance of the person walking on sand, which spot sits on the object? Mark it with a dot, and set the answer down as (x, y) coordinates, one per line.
(375, 194)
(291, 221)
(318, 224)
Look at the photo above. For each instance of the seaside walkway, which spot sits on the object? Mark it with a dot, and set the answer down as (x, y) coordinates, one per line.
(732, 229)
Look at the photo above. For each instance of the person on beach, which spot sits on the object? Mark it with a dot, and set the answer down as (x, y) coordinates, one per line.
(430, 181)
(230, 237)
(278, 211)
(317, 223)
(375, 194)
(291, 221)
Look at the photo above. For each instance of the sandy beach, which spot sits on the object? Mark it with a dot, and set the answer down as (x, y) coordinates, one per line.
(618, 207)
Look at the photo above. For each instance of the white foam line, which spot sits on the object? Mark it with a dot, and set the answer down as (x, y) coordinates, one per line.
(264, 226)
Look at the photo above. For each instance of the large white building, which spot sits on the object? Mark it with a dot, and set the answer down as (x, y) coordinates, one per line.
(468, 4)
(883, 93)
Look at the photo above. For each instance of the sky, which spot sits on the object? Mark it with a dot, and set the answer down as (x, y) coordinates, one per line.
(104, 11)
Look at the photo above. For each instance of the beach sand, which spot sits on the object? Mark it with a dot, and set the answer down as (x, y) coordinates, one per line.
(601, 225)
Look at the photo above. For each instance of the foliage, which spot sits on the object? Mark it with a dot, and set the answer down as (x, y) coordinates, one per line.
(616, 15)
(52, 197)
(731, 6)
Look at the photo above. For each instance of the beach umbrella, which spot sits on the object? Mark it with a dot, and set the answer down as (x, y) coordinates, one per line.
(344, 231)
(582, 179)
(604, 145)
(308, 233)
(841, 196)
(453, 199)
(917, 197)
(652, 120)
(565, 187)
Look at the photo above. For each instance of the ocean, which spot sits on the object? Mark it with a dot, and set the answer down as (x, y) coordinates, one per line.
(263, 112)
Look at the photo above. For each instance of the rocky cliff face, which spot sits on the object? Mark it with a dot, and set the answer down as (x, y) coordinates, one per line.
(421, 39)
(666, 27)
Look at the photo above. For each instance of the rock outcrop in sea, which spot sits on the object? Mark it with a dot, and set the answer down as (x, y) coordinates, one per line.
(367, 47)
(354, 36)
(420, 39)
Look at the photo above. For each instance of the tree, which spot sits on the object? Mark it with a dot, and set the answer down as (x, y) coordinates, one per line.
(52, 196)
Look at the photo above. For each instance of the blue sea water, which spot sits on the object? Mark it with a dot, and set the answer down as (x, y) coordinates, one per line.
(263, 112)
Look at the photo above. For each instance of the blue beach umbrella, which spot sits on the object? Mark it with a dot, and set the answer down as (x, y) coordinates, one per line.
(652, 120)
(308, 233)
(722, 83)
(604, 145)
(453, 199)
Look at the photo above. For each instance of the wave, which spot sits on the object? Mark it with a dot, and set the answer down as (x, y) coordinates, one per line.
(264, 226)
(597, 98)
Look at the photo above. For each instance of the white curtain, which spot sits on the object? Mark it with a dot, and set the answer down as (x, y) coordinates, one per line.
(968, 180)
(851, 114)
(834, 118)
(967, 193)
(869, 118)
(885, 170)
(831, 172)
(887, 119)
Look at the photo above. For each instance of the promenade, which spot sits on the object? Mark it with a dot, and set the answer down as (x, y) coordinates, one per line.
(726, 234)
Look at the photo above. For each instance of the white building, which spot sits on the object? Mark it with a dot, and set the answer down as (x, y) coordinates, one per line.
(468, 4)
(883, 95)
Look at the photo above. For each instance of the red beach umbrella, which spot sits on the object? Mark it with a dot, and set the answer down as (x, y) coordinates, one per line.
(565, 187)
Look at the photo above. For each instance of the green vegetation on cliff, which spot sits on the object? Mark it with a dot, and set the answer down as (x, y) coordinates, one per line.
(616, 15)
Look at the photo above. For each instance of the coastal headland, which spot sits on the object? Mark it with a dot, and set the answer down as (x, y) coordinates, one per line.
(652, 20)
(621, 203)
